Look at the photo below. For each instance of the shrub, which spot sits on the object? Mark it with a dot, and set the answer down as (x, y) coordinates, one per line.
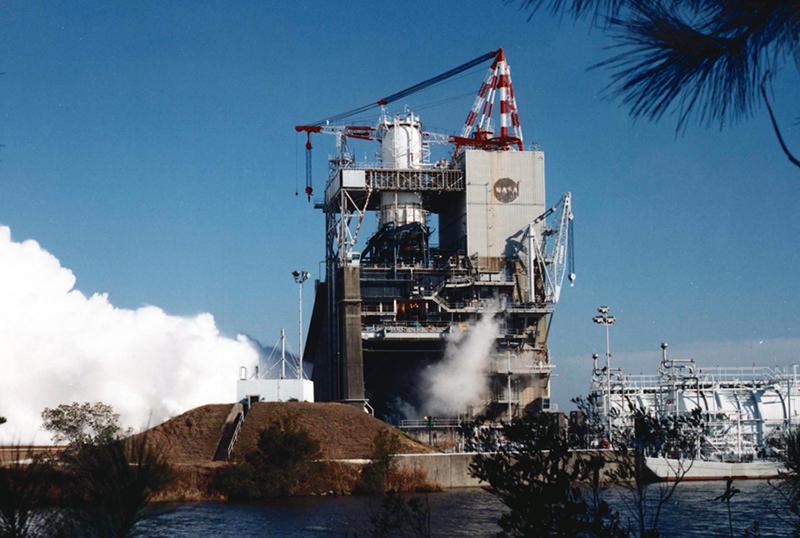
(375, 474)
(533, 472)
(284, 463)
(284, 451)
(238, 482)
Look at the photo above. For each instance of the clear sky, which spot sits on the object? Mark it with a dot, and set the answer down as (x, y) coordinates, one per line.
(149, 147)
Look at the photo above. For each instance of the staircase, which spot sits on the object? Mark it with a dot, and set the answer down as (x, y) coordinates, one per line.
(230, 433)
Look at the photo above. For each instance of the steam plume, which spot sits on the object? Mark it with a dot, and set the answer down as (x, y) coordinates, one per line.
(459, 379)
(58, 346)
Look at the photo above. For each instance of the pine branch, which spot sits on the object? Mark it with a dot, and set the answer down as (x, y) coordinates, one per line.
(708, 66)
(791, 157)
(693, 58)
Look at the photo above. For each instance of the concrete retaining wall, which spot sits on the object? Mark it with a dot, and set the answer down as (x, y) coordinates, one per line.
(449, 470)
(452, 470)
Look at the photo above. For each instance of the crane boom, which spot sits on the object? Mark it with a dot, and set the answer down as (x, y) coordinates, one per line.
(551, 252)
(413, 89)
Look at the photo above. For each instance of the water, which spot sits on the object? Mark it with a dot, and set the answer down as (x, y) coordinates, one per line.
(691, 512)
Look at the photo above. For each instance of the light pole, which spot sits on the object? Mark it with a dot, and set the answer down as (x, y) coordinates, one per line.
(300, 277)
(605, 319)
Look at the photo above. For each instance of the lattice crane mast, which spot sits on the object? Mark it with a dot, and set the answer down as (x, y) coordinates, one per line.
(551, 252)
(480, 135)
(498, 80)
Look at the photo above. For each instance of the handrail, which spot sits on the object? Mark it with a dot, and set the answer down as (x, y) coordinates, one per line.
(434, 423)
(239, 421)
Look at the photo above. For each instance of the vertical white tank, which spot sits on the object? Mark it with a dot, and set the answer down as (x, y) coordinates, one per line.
(401, 144)
(401, 208)
(401, 148)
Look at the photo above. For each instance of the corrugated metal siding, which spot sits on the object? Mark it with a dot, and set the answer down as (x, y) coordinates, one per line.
(494, 228)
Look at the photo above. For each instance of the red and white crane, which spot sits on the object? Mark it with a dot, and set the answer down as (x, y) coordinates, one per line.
(477, 132)
(498, 80)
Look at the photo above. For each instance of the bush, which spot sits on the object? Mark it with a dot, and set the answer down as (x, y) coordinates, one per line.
(788, 486)
(284, 463)
(238, 482)
(375, 474)
(534, 473)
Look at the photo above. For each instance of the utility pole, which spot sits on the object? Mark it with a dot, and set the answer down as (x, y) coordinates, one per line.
(300, 277)
(605, 319)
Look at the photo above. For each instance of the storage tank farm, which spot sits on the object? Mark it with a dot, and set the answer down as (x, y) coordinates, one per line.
(390, 303)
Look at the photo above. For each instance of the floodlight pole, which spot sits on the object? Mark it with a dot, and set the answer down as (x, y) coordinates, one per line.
(300, 277)
(605, 319)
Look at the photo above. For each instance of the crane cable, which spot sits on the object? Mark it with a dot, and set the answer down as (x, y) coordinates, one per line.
(411, 90)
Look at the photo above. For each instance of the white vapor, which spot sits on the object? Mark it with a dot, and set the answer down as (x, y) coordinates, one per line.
(459, 380)
(58, 346)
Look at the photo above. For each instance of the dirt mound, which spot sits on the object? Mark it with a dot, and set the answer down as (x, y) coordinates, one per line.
(193, 436)
(343, 431)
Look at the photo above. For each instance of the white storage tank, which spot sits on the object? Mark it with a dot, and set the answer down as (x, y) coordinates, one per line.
(401, 149)
(401, 142)
(401, 208)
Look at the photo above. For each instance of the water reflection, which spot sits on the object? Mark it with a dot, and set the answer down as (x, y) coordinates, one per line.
(692, 512)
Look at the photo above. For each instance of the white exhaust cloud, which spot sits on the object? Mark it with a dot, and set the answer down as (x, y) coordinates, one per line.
(59, 346)
(459, 380)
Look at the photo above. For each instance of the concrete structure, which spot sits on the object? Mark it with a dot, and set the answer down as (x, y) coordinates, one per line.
(452, 470)
(448, 470)
(275, 386)
(250, 391)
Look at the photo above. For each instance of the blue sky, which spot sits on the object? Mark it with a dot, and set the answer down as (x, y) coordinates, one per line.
(150, 147)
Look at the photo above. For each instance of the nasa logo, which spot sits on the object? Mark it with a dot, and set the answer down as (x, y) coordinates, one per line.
(505, 190)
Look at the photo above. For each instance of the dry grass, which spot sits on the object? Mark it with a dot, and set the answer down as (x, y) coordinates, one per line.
(343, 431)
(326, 478)
(340, 478)
(190, 485)
(192, 437)
(411, 481)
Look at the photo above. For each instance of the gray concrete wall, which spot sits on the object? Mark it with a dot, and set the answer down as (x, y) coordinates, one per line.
(449, 470)
(440, 438)
(452, 470)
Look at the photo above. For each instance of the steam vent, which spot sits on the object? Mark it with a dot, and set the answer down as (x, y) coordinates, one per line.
(391, 303)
